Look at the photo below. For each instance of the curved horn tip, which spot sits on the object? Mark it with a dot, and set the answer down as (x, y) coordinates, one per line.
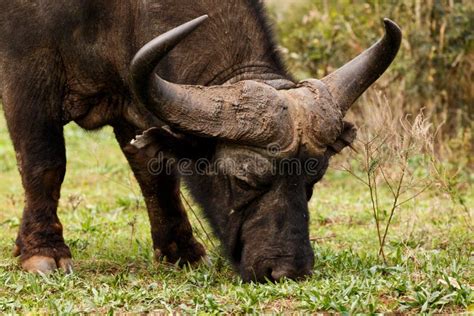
(200, 19)
(190, 26)
(392, 30)
(146, 59)
(347, 83)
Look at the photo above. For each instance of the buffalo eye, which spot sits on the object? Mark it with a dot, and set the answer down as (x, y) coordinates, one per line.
(249, 183)
(243, 183)
(252, 182)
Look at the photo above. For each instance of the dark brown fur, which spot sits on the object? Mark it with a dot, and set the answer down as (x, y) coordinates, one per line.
(65, 61)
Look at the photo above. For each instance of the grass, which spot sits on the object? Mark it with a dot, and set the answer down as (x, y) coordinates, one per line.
(429, 250)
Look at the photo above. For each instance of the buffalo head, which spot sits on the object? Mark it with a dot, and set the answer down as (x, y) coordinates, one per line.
(271, 142)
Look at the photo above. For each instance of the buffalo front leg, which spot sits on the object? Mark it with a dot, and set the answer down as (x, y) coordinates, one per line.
(171, 231)
(32, 105)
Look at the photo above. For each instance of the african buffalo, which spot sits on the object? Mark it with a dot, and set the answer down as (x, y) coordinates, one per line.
(219, 94)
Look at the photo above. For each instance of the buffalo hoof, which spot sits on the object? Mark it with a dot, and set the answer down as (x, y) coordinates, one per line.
(192, 253)
(16, 251)
(47, 265)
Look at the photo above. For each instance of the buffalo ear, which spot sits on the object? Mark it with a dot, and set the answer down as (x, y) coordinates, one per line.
(347, 137)
(155, 140)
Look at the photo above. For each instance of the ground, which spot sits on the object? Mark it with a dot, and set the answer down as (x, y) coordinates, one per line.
(429, 251)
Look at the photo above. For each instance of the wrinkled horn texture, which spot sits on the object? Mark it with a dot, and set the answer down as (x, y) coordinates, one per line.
(247, 112)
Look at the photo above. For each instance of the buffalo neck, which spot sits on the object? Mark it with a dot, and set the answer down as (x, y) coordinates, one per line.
(259, 71)
(235, 44)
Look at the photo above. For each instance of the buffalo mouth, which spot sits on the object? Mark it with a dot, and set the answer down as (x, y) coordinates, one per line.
(277, 268)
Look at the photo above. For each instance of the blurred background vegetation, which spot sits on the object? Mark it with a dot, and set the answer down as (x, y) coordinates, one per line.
(433, 71)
